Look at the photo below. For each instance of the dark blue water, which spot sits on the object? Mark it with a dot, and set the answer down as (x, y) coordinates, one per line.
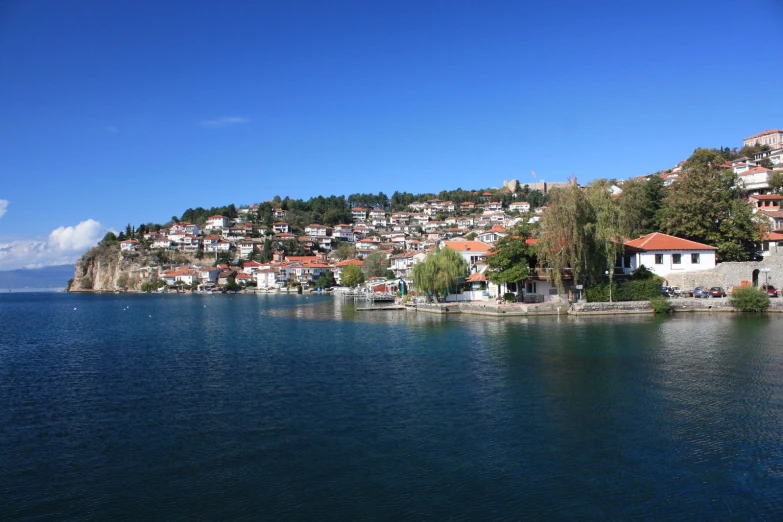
(299, 408)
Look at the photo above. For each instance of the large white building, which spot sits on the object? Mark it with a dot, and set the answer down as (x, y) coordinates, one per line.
(664, 254)
(772, 137)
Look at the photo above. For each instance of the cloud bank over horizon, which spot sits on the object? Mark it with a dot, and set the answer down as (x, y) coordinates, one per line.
(64, 245)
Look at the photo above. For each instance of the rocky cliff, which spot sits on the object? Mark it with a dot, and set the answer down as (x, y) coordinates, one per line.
(106, 269)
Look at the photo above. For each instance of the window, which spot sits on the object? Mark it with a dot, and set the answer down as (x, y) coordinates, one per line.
(658, 259)
(676, 259)
(695, 259)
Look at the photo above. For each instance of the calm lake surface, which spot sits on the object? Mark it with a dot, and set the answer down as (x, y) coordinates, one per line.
(123, 407)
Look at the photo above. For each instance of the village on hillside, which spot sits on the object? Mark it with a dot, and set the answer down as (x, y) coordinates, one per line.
(378, 242)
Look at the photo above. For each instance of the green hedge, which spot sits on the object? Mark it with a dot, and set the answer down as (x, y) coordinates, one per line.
(640, 290)
(749, 299)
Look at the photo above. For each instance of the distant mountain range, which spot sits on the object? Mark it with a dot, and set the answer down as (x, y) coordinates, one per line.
(48, 277)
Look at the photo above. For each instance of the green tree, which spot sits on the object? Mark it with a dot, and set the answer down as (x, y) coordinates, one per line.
(345, 251)
(326, 280)
(232, 285)
(437, 273)
(352, 276)
(606, 226)
(565, 243)
(375, 265)
(266, 253)
(707, 204)
(109, 239)
(509, 261)
(776, 181)
(766, 163)
(640, 204)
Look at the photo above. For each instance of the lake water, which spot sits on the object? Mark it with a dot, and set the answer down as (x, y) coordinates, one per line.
(123, 407)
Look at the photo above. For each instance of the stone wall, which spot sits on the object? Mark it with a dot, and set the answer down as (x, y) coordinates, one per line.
(729, 275)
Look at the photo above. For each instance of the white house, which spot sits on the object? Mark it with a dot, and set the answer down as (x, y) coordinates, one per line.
(129, 245)
(343, 231)
(316, 230)
(402, 264)
(471, 251)
(755, 180)
(267, 278)
(664, 254)
(281, 227)
(520, 206)
(216, 222)
(358, 214)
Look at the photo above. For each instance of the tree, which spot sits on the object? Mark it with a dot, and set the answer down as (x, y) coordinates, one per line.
(109, 239)
(565, 242)
(232, 285)
(375, 265)
(509, 260)
(326, 280)
(776, 181)
(606, 227)
(352, 276)
(266, 253)
(345, 251)
(766, 163)
(707, 204)
(436, 274)
(640, 204)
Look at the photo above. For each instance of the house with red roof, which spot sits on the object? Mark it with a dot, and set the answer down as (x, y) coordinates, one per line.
(664, 254)
(755, 180)
(471, 251)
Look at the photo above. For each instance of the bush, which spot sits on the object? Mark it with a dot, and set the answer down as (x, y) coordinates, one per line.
(749, 299)
(636, 290)
(660, 305)
(509, 297)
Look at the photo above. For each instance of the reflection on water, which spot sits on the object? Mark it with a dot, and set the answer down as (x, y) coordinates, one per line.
(225, 407)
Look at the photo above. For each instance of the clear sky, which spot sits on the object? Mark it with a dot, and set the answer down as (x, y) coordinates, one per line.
(132, 111)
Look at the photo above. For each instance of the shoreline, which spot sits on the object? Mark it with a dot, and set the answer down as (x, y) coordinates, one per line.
(480, 308)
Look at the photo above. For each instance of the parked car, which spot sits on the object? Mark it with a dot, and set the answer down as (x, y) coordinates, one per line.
(717, 291)
(771, 290)
(674, 291)
(700, 292)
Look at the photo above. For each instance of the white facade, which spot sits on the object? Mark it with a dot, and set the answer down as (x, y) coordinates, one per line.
(665, 262)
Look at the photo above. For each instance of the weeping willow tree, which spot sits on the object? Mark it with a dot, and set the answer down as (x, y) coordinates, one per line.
(570, 233)
(436, 274)
(606, 226)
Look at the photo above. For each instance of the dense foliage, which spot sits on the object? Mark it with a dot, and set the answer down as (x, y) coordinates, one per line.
(708, 204)
(632, 290)
(660, 305)
(352, 276)
(510, 259)
(438, 272)
(749, 299)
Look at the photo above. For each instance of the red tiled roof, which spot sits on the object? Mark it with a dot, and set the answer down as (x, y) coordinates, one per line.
(468, 246)
(767, 197)
(756, 170)
(476, 277)
(764, 133)
(347, 262)
(660, 241)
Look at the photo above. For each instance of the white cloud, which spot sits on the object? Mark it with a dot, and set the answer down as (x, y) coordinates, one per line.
(3, 207)
(224, 121)
(63, 246)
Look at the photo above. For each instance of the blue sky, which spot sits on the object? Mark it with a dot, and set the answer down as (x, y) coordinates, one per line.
(132, 111)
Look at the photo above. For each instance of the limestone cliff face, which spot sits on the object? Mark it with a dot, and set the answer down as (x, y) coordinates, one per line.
(106, 269)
